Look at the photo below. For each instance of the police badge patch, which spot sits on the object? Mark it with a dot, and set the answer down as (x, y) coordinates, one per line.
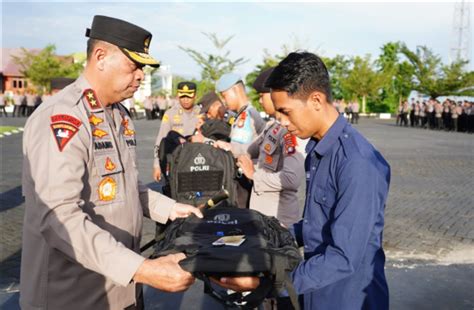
(64, 127)
(107, 189)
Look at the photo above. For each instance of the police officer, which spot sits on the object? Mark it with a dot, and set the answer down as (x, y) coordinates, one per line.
(280, 167)
(246, 126)
(182, 118)
(84, 203)
(347, 187)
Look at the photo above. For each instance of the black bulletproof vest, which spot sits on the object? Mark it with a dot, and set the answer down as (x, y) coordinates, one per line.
(199, 171)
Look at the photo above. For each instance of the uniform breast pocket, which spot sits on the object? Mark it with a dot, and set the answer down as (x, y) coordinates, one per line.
(271, 154)
(326, 198)
(107, 187)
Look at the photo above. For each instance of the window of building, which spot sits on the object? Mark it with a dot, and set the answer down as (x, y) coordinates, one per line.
(14, 83)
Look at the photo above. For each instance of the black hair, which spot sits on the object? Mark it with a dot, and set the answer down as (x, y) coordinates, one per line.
(300, 74)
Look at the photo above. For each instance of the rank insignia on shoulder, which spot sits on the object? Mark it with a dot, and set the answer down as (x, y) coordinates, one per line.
(92, 100)
(165, 118)
(231, 121)
(290, 144)
(63, 133)
(109, 165)
(99, 133)
(94, 120)
(107, 189)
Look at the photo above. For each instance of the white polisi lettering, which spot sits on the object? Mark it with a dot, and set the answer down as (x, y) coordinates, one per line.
(199, 168)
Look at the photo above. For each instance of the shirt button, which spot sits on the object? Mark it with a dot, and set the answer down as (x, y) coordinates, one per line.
(305, 246)
(306, 221)
(313, 168)
(324, 198)
(346, 135)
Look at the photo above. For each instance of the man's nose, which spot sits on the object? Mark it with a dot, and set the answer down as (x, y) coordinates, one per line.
(140, 75)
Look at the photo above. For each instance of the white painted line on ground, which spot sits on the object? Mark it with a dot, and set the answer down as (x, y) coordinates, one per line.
(15, 131)
(7, 133)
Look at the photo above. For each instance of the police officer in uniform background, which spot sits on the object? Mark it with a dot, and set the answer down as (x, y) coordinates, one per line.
(246, 126)
(280, 167)
(182, 118)
(84, 202)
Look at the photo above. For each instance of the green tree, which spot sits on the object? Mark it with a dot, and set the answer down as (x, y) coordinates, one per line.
(433, 78)
(268, 62)
(364, 82)
(399, 75)
(213, 66)
(338, 68)
(40, 68)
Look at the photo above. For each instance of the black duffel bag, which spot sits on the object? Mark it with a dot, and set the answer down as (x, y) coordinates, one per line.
(268, 251)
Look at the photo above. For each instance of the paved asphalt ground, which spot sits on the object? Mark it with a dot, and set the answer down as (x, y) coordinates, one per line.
(429, 230)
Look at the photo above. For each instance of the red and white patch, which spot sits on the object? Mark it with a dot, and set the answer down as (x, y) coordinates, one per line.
(64, 127)
(290, 144)
(64, 118)
(276, 129)
(63, 133)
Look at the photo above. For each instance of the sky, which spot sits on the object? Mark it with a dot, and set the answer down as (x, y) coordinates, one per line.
(328, 29)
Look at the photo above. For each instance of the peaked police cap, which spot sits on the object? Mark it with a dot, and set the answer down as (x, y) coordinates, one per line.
(133, 40)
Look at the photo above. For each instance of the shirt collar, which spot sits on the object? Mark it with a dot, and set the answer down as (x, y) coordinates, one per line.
(324, 145)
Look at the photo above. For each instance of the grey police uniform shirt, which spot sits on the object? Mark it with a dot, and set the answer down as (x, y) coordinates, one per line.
(179, 120)
(84, 205)
(246, 126)
(279, 171)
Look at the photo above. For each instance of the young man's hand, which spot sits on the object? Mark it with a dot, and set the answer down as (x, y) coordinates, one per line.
(238, 284)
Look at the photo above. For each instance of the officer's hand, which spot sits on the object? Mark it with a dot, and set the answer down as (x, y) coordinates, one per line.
(183, 210)
(238, 284)
(164, 273)
(244, 162)
(157, 174)
(226, 146)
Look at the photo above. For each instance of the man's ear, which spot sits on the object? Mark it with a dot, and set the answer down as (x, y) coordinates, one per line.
(99, 54)
(316, 99)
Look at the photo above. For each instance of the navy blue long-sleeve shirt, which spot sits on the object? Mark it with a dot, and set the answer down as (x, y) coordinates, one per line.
(342, 226)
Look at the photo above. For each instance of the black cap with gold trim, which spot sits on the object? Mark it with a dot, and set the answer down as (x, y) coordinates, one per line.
(134, 41)
(186, 89)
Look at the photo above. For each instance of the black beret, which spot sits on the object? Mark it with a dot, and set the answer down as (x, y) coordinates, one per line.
(207, 100)
(134, 41)
(259, 83)
(187, 89)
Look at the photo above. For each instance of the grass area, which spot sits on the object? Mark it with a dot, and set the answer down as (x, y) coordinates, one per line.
(6, 128)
